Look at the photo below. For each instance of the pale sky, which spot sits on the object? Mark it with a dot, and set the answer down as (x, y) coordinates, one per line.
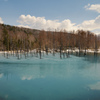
(52, 14)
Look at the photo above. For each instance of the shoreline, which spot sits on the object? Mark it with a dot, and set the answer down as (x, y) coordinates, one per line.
(51, 51)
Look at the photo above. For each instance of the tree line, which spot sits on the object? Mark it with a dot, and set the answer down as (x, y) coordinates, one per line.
(21, 40)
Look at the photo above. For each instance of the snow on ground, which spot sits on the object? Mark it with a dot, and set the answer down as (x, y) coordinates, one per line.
(68, 50)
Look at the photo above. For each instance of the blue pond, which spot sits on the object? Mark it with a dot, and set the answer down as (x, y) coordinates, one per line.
(50, 78)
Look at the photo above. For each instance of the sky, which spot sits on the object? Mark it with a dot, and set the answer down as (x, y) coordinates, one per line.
(52, 14)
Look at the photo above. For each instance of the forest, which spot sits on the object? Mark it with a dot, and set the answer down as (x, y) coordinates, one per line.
(24, 40)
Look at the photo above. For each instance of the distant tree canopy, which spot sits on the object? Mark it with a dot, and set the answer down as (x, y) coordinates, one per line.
(15, 38)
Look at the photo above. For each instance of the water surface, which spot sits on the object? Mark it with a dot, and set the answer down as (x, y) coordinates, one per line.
(50, 78)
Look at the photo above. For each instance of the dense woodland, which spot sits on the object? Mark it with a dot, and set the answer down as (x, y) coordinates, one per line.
(16, 39)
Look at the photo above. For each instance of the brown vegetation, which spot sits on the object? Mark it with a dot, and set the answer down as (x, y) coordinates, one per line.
(14, 39)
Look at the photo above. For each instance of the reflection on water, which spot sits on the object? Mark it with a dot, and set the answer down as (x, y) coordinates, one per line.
(95, 86)
(93, 59)
(50, 78)
(1, 75)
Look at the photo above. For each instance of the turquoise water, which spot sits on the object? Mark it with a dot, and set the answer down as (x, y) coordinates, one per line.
(50, 78)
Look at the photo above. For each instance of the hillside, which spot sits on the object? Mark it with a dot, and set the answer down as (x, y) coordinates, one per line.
(18, 30)
(12, 36)
(15, 38)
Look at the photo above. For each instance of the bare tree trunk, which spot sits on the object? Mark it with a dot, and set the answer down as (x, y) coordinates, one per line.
(85, 52)
(60, 52)
(95, 51)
